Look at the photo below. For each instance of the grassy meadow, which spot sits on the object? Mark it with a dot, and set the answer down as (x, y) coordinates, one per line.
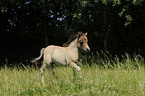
(122, 78)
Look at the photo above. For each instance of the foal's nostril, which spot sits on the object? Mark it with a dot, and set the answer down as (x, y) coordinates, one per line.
(88, 50)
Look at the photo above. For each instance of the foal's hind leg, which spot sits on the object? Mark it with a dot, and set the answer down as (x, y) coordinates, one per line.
(51, 68)
(42, 71)
(46, 62)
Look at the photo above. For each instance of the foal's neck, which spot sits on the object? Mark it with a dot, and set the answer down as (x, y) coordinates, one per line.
(74, 47)
(74, 44)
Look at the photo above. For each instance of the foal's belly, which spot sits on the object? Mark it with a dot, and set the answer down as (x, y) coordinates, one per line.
(61, 60)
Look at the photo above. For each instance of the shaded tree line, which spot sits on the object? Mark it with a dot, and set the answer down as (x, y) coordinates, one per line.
(28, 25)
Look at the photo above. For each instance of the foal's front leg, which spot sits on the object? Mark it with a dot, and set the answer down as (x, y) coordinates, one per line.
(75, 68)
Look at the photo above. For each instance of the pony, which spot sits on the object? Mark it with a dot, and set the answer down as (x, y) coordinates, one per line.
(64, 56)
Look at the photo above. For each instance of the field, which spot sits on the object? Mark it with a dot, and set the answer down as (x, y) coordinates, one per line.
(122, 78)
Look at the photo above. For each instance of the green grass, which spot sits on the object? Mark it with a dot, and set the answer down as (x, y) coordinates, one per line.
(125, 78)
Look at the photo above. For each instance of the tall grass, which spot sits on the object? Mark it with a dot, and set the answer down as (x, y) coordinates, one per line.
(109, 78)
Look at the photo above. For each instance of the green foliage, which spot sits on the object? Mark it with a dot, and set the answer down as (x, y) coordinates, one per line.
(120, 23)
(136, 1)
(129, 19)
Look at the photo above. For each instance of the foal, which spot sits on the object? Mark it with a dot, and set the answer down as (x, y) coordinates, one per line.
(65, 56)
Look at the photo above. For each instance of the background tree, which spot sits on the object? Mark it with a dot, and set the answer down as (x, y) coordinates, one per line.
(28, 25)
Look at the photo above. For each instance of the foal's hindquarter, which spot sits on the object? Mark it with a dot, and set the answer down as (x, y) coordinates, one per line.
(64, 56)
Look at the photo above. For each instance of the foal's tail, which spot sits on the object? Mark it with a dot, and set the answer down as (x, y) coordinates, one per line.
(41, 53)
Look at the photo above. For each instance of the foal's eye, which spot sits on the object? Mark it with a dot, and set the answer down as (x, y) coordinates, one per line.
(81, 43)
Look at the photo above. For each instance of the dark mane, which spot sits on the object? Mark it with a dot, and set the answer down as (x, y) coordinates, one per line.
(72, 37)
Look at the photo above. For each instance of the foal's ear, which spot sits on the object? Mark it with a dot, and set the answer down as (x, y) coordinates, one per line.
(86, 34)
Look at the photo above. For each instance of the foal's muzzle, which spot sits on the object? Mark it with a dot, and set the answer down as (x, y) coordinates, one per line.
(86, 51)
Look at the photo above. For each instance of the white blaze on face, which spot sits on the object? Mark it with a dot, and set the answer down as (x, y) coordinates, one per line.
(86, 44)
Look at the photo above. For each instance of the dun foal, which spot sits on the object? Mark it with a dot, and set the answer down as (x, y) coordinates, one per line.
(65, 56)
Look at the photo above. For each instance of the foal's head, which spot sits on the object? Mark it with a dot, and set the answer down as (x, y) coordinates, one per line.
(83, 43)
(72, 37)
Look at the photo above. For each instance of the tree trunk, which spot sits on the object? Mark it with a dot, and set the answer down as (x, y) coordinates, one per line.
(46, 40)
